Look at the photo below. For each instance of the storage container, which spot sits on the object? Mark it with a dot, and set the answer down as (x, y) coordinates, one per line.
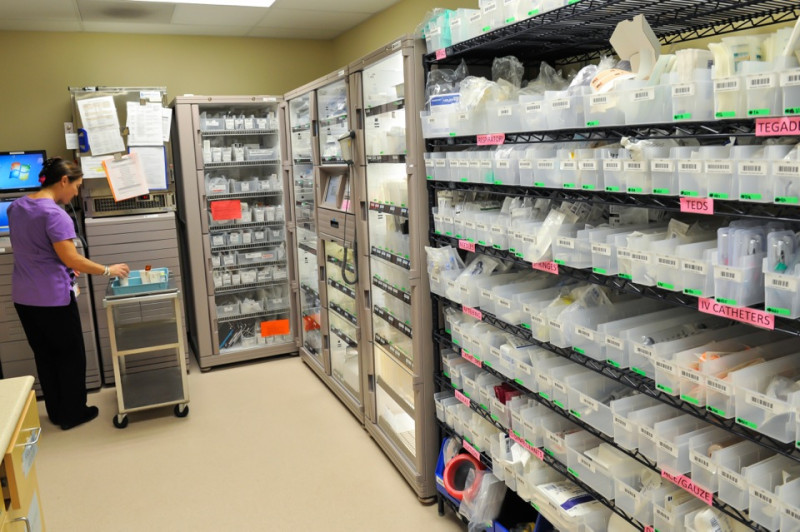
(603, 110)
(729, 98)
(693, 101)
(626, 433)
(756, 176)
(732, 465)
(590, 397)
(764, 480)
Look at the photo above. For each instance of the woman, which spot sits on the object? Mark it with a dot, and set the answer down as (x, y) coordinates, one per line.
(45, 264)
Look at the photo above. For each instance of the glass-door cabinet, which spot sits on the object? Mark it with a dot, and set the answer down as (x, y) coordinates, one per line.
(334, 121)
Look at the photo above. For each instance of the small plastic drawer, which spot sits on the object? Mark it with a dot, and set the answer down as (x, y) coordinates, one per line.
(435, 125)
(698, 275)
(674, 517)
(673, 446)
(789, 499)
(603, 110)
(546, 173)
(564, 109)
(732, 464)
(740, 287)
(503, 117)
(763, 95)
(786, 180)
(729, 98)
(790, 92)
(781, 295)
(556, 428)
(664, 177)
(765, 480)
(442, 399)
(532, 418)
(227, 310)
(532, 114)
(631, 496)
(693, 102)
(590, 396)
(567, 169)
(590, 169)
(692, 182)
(646, 105)
(705, 459)
(626, 430)
(613, 173)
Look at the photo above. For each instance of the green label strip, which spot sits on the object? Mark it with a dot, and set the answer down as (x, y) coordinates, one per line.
(725, 114)
(601, 271)
(690, 193)
(692, 292)
(666, 285)
(690, 399)
(792, 111)
(758, 112)
(787, 199)
(579, 350)
(625, 276)
(588, 187)
(612, 189)
(640, 372)
(664, 388)
(748, 424)
(637, 190)
(538, 184)
(593, 123)
(716, 411)
(613, 362)
(575, 413)
(660, 191)
(731, 302)
(718, 195)
(568, 185)
(750, 196)
(572, 472)
(683, 116)
(779, 311)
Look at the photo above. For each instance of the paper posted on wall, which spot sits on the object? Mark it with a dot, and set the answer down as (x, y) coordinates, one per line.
(100, 120)
(126, 177)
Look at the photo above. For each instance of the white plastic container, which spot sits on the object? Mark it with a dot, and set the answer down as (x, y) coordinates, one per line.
(763, 480)
(603, 110)
(590, 396)
(756, 177)
(693, 101)
(625, 431)
(729, 98)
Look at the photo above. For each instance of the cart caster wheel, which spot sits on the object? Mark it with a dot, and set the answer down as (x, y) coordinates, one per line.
(121, 421)
(181, 410)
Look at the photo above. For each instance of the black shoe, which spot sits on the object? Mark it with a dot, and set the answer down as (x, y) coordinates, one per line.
(89, 414)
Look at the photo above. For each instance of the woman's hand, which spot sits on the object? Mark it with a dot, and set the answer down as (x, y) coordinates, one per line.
(119, 270)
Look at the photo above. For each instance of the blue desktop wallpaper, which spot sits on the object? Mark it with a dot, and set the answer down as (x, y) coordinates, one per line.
(20, 171)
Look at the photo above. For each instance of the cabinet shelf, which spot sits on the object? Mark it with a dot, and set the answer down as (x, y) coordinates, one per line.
(391, 258)
(398, 354)
(342, 313)
(333, 260)
(396, 324)
(401, 401)
(398, 158)
(244, 195)
(249, 286)
(242, 164)
(388, 209)
(302, 160)
(246, 266)
(222, 228)
(331, 120)
(346, 339)
(349, 292)
(252, 315)
(300, 129)
(307, 289)
(308, 249)
(385, 108)
(257, 245)
(238, 132)
(395, 292)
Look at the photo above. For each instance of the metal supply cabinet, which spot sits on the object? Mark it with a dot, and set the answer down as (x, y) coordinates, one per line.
(239, 300)
(135, 331)
(16, 357)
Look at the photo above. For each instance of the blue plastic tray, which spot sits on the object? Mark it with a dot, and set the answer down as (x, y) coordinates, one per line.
(135, 285)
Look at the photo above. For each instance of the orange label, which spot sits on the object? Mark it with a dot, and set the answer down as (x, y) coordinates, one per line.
(275, 328)
(226, 210)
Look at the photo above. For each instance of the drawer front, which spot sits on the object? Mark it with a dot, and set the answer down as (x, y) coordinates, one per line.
(337, 225)
(21, 453)
(31, 512)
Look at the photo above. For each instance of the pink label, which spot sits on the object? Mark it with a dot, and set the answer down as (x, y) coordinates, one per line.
(441, 53)
(494, 139)
(686, 483)
(759, 318)
(463, 398)
(472, 450)
(649, 529)
(467, 245)
(538, 453)
(698, 205)
(469, 358)
(776, 127)
(469, 311)
(549, 267)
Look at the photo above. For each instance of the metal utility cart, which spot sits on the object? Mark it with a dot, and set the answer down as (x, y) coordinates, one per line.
(143, 324)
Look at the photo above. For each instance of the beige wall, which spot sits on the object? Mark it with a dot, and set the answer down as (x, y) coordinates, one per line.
(38, 67)
(380, 29)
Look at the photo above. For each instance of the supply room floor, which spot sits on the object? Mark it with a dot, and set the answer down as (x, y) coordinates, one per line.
(265, 447)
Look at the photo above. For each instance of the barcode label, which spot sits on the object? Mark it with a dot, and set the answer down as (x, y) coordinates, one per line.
(587, 463)
(586, 333)
(762, 495)
(554, 324)
(791, 513)
(644, 94)
(504, 163)
(481, 227)
(546, 164)
(455, 23)
(660, 512)
(724, 85)
(669, 262)
(640, 257)
(504, 302)
(504, 111)
(665, 366)
(668, 447)
(647, 432)
(555, 439)
(469, 224)
(789, 79)
(560, 104)
(598, 99)
(587, 165)
(719, 386)
(430, 163)
(623, 253)
(703, 462)
(761, 81)
(601, 249)
(486, 163)
(534, 107)
(475, 163)
(440, 163)
(529, 239)
(781, 282)
(475, 17)
(634, 166)
(693, 266)
(565, 242)
(498, 230)
(611, 165)
(719, 167)
(558, 385)
(733, 478)
(690, 375)
(616, 343)
(588, 401)
(690, 167)
(627, 490)
(524, 368)
(762, 402)
(621, 422)
(752, 168)
(525, 164)
(683, 90)
(489, 7)
(645, 352)
(721, 272)
(569, 165)
(787, 170)
(538, 320)
(662, 165)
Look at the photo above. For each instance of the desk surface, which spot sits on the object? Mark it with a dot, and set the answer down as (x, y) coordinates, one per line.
(13, 395)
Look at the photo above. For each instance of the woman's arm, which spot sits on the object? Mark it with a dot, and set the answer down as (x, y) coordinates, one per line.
(69, 255)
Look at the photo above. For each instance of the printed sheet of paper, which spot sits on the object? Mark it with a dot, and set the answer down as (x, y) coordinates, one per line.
(154, 165)
(166, 114)
(100, 120)
(93, 166)
(145, 124)
(126, 177)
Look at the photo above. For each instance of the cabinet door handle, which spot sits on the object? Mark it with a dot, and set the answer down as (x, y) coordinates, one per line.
(24, 520)
(35, 432)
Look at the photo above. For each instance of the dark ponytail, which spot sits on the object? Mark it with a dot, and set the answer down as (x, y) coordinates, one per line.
(55, 168)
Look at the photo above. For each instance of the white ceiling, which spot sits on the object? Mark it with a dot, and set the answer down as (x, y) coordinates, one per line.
(286, 19)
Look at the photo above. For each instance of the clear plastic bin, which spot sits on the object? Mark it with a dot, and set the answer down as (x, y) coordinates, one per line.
(672, 515)
(631, 497)
(626, 433)
(789, 500)
(590, 396)
(763, 95)
(673, 449)
(729, 98)
(533, 116)
(638, 174)
(740, 287)
(435, 125)
(564, 109)
(645, 104)
(756, 182)
(693, 101)
(590, 169)
(781, 294)
(504, 117)
(613, 174)
(603, 110)
(732, 464)
(556, 429)
(545, 170)
(763, 480)
(664, 174)
(560, 377)
(568, 168)
(786, 181)
(790, 92)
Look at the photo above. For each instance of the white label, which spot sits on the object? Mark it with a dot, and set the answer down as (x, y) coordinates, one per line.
(787, 169)
(725, 85)
(529, 239)
(622, 423)
(533, 107)
(569, 166)
(762, 495)
(761, 401)
(691, 375)
(503, 163)
(612, 165)
(728, 274)
(719, 167)
(644, 94)
(434, 32)
(790, 512)
(703, 462)
(489, 7)
(524, 368)
(525, 164)
(682, 90)
(546, 164)
(601, 249)
(456, 22)
(560, 104)
(555, 439)
(440, 163)
(689, 167)
(662, 165)
(506, 303)
(554, 325)
(587, 165)
(475, 17)
(790, 79)
(587, 463)
(666, 366)
(558, 385)
(598, 99)
(506, 110)
(630, 492)
(486, 163)
(781, 282)
(660, 512)
(498, 230)
(694, 266)
(668, 262)
(586, 333)
(634, 166)
(638, 256)
(753, 168)
(647, 432)
(643, 351)
(566, 242)
(589, 402)
(616, 343)
(719, 386)
(474, 163)
(546, 380)
(733, 478)
(481, 227)
(760, 81)
(430, 163)
(668, 447)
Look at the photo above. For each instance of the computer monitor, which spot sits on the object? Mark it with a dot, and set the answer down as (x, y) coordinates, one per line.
(4, 230)
(19, 170)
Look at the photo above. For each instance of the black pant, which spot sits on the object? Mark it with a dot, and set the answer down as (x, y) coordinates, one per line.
(56, 337)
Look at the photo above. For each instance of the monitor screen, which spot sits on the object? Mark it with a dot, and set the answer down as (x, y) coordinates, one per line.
(19, 170)
(4, 216)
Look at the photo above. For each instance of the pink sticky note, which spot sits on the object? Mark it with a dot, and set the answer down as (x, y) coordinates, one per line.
(649, 529)
(686, 483)
(759, 318)
(463, 398)
(495, 139)
(471, 450)
(469, 311)
(469, 358)
(697, 205)
(777, 127)
(467, 245)
(547, 266)
(441, 54)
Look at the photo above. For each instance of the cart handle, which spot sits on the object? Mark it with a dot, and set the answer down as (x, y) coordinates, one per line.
(24, 520)
(35, 433)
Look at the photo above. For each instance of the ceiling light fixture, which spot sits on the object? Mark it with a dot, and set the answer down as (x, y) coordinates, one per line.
(225, 3)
